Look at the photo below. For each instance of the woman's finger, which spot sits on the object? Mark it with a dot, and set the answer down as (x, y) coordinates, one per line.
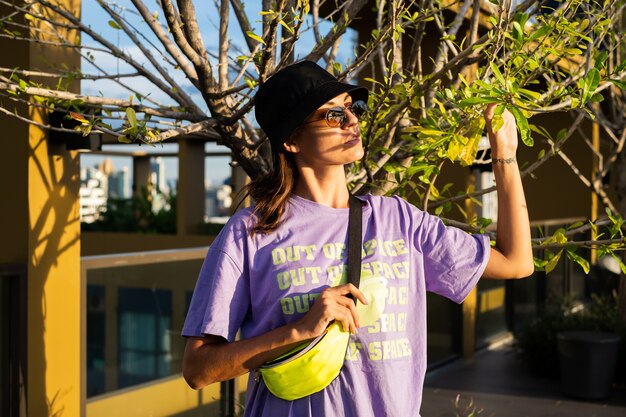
(347, 303)
(349, 289)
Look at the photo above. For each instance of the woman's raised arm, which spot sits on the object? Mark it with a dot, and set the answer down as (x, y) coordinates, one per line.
(512, 257)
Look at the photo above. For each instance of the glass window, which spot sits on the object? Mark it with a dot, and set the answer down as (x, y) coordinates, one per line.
(95, 340)
(443, 327)
(525, 300)
(135, 314)
(144, 342)
(12, 338)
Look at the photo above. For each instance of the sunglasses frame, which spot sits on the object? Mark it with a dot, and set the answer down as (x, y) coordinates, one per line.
(360, 104)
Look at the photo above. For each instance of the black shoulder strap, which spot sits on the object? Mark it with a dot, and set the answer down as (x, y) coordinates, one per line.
(355, 240)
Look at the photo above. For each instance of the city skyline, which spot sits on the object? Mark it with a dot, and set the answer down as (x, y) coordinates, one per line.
(217, 169)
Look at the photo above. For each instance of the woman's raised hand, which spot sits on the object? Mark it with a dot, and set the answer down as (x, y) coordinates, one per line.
(504, 141)
(332, 304)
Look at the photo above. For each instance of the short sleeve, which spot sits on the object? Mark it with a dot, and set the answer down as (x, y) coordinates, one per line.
(454, 260)
(221, 298)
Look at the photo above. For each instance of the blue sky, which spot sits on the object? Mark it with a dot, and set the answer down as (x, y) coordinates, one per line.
(217, 169)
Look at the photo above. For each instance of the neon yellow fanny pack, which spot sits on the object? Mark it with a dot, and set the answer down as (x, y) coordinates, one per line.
(309, 367)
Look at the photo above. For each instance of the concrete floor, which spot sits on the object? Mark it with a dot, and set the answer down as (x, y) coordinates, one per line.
(497, 384)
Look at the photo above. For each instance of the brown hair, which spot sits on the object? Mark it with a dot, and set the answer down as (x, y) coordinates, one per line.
(270, 193)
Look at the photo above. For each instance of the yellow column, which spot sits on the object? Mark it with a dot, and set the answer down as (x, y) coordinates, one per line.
(41, 212)
(53, 356)
(469, 304)
(469, 324)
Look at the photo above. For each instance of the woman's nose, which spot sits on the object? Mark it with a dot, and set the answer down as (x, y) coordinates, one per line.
(351, 119)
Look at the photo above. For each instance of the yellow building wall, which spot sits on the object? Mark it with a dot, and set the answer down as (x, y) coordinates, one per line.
(41, 230)
(164, 398)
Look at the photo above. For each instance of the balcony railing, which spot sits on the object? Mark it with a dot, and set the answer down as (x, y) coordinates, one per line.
(134, 307)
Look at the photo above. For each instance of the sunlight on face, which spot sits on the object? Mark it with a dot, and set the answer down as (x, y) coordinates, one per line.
(316, 144)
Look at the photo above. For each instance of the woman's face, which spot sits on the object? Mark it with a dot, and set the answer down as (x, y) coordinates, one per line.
(318, 145)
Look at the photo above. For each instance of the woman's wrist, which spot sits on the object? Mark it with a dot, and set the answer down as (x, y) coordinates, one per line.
(505, 161)
(298, 332)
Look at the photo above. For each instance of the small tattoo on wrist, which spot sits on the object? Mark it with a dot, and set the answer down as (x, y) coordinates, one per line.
(503, 161)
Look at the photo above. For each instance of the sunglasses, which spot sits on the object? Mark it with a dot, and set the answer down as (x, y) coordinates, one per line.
(337, 116)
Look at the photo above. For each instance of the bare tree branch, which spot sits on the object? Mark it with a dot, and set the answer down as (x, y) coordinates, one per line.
(170, 47)
(223, 46)
(101, 101)
(177, 91)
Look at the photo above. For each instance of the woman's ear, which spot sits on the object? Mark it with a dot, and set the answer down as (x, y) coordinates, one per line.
(291, 145)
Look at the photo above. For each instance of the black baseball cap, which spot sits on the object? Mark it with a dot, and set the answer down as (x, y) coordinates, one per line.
(288, 97)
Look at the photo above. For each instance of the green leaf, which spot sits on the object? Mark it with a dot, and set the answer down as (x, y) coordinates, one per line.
(131, 116)
(579, 260)
(575, 225)
(596, 98)
(594, 228)
(454, 150)
(539, 263)
(497, 122)
(497, 73)
(522, 125)
(601, 59)
(124, 139)
(552, 263)
(114, 25)
(373, 81)
(620, 84)
(542, 31)
(472, 101)
(530, 94)
(561, 134)
(249, 82)
(254, 36)
(593, 78)
(286, 26)
(518, 32)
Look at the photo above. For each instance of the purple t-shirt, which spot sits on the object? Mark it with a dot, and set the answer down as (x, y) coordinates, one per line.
(260, 283)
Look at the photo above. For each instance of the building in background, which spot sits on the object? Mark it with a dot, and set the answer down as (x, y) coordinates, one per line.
(157, 177)
(93, 194)
(119, 184)
(219, 202)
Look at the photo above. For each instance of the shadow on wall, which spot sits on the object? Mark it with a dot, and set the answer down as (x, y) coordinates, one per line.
(53, 273)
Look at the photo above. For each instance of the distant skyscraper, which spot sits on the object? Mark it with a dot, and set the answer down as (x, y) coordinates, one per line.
(157, 166)
(119, 184)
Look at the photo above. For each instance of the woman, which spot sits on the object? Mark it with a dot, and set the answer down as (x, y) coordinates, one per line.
(275, 272)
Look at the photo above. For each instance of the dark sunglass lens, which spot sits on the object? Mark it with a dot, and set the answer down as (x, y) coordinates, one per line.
(335, 116)
(359, 108)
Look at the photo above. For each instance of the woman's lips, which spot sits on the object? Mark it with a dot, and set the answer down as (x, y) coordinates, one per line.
(353, 141)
